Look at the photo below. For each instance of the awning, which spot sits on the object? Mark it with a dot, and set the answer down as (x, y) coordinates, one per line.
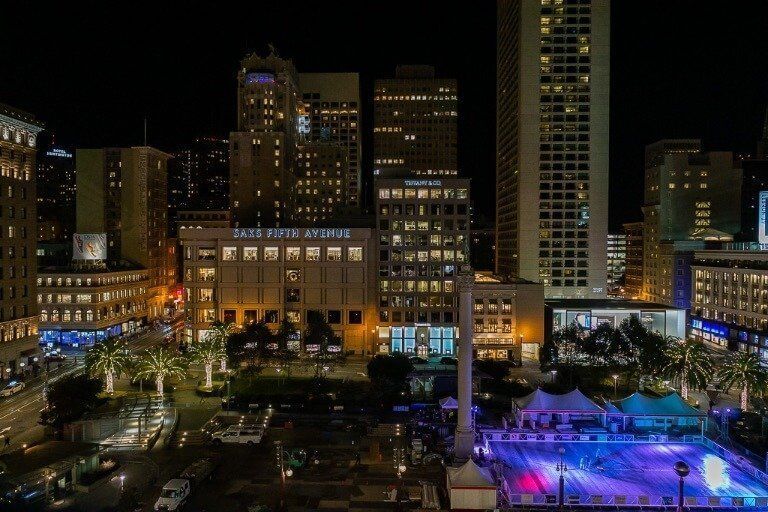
(573, 402)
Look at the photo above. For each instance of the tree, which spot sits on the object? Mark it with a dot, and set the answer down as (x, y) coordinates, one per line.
(283, 357)
(646, 350)
(250, 347)
(328, 354)
(69, 398)
(746, 371)
(160, 364)
(389, 375)
(220, 333)
(496, 370)
(107, 358)
(690, 361)
(207, 352)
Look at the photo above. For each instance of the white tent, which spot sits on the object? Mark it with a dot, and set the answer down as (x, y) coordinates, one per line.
(545, 408)
(471, 487)
(448, 403)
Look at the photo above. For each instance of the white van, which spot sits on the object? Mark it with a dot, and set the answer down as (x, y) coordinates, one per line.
(238, 435)
(174, 495)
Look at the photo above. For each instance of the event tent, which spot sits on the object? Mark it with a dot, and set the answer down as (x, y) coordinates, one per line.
(642, 411)
(448, 403)
(545, 407)
(471, 487)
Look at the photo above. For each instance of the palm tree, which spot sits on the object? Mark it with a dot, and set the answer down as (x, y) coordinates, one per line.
(221, 333)
(745, 370)
(688, 360)
(207, 352)
(160, 364)
(107, 358)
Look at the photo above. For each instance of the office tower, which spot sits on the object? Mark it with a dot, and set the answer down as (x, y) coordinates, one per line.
(321, 171)
(198, 176)
(754, 192)
(552, 144)
(332, 103)
(423, 227)
(689, 195)
(414, 118)
(633, 276)
(123, 192)
(55, 193)
(263, 149)
(616, 258)
(18, 262)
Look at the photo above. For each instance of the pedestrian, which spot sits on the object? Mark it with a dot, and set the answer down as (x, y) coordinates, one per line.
(7, 442)
(357, 458)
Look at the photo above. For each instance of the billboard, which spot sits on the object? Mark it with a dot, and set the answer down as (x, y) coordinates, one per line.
(89, 246)
(762, 217)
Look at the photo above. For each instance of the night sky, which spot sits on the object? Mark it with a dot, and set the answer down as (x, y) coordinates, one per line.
(93, 70)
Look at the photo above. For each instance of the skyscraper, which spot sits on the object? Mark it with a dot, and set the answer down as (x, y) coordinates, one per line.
(332, 102)
(123, 192)
(55, 192)
(320, 177)
(414, 117)
(198, 176)
(18, 263)
(263, 149)
(552, 144)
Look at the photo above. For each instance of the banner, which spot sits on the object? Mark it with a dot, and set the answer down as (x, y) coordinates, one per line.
(89, 246)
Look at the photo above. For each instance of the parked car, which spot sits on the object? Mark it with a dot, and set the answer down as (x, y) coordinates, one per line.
(174, 494)
(12, 388)
(239, 435)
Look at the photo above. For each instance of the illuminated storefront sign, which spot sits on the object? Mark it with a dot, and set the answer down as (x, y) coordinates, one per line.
(259, 78)
(423, 183)
(709, 327)
(58, 152)
(762, 217)
(292, 233)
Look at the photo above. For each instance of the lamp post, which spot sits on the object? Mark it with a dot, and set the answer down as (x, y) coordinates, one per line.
(615, 385)
(561, 468)
(682, 470)
(283, 472)
(553, 373)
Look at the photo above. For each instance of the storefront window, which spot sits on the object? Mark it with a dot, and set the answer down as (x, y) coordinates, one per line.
(270, 254)
(355, 253)
(250, 253)
(313, 254)
(229, 253)
(333, 253)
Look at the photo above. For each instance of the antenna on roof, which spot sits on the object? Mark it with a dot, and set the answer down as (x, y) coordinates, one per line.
(145, 131)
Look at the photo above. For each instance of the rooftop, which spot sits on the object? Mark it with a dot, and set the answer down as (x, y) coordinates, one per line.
(21, 462)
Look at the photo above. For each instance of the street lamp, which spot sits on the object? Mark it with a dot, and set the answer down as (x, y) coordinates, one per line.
(122, 482)
(561, 468)
(553, 372)
(615, 384)
(682, 470)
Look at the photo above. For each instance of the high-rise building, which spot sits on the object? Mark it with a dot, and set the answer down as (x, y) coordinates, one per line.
(423, 227)
(321, 172)
(55, 193)
(18, 262)
(123, 192)
(617, 262)
(553, 66)
(332, 103)
(198, 176)
(754, 192)
(633, 276)
(414, 118)
(689, 195)
(263, 149)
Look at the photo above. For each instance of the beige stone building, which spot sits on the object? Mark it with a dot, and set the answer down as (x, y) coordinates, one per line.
(82, 306)
(123, 192)
(18, 235)
(244, 275)
(415, 122)
(508, 316)
(553, 68)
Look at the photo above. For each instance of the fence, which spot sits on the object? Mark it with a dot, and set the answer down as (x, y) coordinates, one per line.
(504, 435)
(616, 500)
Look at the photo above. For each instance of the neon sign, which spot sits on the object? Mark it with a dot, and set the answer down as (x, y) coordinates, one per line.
(292, 233)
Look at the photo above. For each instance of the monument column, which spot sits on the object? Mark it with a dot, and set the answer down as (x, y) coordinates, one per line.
(465, 435)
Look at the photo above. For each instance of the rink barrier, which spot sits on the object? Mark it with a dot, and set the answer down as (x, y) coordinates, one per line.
(638, 500)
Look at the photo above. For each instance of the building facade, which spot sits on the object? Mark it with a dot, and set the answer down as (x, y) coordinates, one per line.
(332, 104)
(245, 275)
(263, 149)
(415, 122)
(617, 263)
(553, 66)
(82, 307)
(423, 229)
(55, 194)
(688, 196)
(729, 303)
(508, 318)
(633, 276)
(18, 259)
(198, 176)
(123, 192)
(321, 176)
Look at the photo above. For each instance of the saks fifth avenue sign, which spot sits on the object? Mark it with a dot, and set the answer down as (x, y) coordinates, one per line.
(292, 233)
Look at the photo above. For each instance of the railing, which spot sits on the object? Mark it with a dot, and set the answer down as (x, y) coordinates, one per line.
(503, 435)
